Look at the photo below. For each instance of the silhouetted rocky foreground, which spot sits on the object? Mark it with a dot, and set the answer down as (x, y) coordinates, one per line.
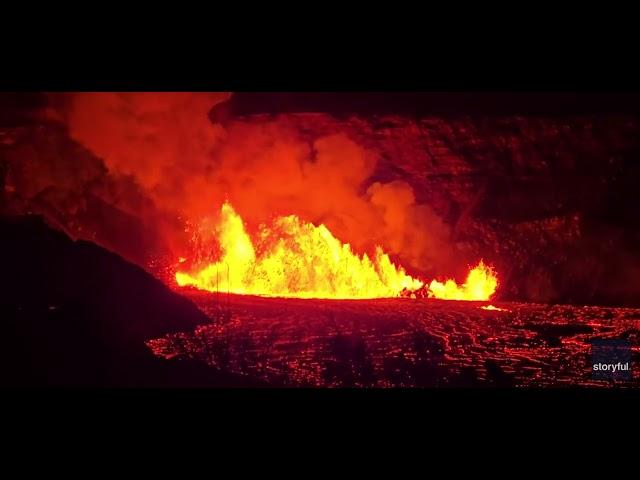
(74, 314)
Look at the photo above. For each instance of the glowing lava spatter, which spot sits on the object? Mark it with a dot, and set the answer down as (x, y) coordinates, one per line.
(293, 258)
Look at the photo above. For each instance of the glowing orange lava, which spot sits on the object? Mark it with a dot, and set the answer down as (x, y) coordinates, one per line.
(292, 258)
(481, 284)
(494, 308)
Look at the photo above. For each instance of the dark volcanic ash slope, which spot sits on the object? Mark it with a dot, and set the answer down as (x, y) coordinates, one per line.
(74, 314)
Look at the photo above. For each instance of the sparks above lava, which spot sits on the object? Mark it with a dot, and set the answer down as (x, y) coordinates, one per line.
(293, 258)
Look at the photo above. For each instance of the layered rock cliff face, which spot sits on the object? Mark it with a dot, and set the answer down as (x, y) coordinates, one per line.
(551, 201)
(45, 172)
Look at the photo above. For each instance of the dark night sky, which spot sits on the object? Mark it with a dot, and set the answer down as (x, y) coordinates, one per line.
(15, 105)
(433, 103)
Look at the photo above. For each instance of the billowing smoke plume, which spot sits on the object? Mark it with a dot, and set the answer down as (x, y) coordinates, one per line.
(189, 166)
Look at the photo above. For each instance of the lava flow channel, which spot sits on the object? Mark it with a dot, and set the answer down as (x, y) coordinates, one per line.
(293, 258)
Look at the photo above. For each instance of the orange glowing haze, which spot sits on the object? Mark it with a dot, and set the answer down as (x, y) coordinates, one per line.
(292, 258)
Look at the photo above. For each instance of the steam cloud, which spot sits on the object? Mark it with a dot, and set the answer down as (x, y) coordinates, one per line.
(166, 144)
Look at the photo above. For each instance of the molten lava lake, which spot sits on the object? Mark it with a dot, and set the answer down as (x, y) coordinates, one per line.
(400, 342)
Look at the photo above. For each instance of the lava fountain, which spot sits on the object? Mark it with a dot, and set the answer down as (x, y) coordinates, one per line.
(481, 284)
(293, 258)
